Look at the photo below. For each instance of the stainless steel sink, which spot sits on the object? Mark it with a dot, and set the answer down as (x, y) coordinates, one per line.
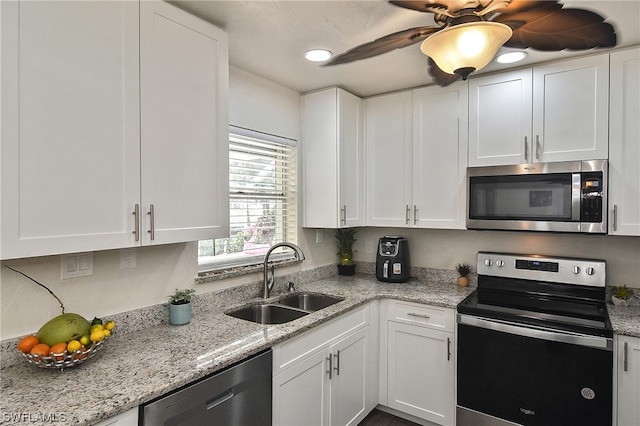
(267, 313)
(309, 301)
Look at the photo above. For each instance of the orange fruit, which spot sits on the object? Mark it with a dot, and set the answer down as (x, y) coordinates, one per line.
(57, 351)
(82, 354)
(27, 343)
(40, 350)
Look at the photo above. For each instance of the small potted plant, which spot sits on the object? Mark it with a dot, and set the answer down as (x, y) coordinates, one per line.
(463, 269)
(345, 239)
(180, 306)
(621, 296)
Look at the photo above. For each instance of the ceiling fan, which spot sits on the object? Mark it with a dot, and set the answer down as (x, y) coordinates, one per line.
(485, 26)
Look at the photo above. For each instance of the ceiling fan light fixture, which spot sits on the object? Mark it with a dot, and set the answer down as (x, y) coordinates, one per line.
(511, 57)
(466, 46)
(318, 55)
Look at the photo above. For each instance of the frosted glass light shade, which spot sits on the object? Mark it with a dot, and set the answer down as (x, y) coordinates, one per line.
(469, 46)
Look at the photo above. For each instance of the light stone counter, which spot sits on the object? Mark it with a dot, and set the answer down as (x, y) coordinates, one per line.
(138, 366)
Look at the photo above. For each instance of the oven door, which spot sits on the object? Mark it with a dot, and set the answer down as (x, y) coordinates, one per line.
(531, 376)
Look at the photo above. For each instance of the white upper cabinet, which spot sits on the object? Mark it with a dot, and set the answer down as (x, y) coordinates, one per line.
(333, 159)
(440, 118)
(416, 149)
(500, 119)
(77, 79)
(624, 143)
(184, 79)
(570, 110)
(389, 131)
(555, 112)
(70, 126)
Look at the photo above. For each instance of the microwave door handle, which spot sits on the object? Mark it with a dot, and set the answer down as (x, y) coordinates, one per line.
(576, 196)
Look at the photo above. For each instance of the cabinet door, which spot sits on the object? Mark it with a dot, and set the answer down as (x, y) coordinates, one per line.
(299, 392)
(570, 109)
(70, 132)
(628, 381)
(440, 137)
(184, 132)
(350, 383)
(624, 149)
(388, 151)
(351, 160)
(333, 159)
(500, 119)
(420, 372)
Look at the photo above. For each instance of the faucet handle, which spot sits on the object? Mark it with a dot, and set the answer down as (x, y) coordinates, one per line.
(291, 287)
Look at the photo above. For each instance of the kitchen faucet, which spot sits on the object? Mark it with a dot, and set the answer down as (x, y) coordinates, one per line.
(268, 284)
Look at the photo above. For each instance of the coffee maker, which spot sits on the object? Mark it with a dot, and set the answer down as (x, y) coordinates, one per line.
(392, 263)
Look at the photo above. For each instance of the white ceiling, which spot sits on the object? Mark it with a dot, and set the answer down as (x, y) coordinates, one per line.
(269, 37)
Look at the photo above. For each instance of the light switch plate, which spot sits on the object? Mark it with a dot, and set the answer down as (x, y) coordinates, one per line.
(76, 265)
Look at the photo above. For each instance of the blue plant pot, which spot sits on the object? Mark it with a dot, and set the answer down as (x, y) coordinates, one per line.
(180, 314)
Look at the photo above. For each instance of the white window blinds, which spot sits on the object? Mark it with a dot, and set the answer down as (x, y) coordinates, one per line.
(262, 200)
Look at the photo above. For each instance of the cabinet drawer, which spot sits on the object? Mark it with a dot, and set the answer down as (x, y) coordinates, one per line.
(295, 350)
(435, 317)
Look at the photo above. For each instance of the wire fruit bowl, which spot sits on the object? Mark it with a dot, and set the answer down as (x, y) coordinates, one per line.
(65, 359)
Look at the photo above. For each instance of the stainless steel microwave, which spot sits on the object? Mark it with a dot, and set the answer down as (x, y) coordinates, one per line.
(555, 197)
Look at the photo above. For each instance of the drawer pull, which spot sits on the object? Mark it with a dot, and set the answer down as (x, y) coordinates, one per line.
(337, 367)
(413, 314)
(330, 370)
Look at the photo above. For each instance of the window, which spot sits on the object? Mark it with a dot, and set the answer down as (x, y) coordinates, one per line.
(262, 200)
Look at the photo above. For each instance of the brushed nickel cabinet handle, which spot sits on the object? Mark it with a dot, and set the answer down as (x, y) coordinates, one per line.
(415, 214)
(537, 147)
(615, 217)
(625, 360)
(413, 314)
(343, 214)
(526, 149)
(337, 367)
(406, 214)
(136, 221)
(152, 220)
(330, 370)
(448, 349)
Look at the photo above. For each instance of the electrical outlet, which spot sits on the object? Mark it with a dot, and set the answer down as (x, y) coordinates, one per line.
(76, 265)
(127, 258)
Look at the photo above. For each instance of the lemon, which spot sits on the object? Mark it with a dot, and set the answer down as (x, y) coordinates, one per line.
(107, 333)
(96, 327)
(109, 325)
(73, 346)
(97, 336)
(85, 340)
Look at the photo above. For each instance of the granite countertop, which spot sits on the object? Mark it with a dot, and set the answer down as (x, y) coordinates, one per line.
(141, 365)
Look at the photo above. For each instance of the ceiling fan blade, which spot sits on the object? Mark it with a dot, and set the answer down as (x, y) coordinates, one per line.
(553, 29)
(444, 7)
(440, 77)
(517, 6)
(383, 45)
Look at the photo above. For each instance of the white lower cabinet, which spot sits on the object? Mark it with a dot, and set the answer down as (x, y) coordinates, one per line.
(420, 368)
(327, 375)
(628, 381)
(128, 418)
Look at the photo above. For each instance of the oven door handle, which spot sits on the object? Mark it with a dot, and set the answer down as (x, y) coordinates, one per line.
(538, 333)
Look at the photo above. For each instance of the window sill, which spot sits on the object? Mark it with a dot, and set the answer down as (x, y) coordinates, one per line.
(238, 271)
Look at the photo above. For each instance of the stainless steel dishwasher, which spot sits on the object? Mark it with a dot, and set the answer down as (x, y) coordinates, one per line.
(239, 395)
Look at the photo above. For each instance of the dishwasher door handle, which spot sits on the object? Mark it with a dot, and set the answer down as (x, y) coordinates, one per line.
(219, 399)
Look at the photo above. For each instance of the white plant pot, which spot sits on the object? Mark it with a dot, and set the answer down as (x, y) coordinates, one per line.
(619, 302)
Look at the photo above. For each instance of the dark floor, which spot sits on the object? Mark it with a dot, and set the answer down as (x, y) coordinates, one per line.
(380, 418)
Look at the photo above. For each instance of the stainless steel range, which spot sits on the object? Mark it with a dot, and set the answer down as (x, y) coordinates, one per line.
(535, 344)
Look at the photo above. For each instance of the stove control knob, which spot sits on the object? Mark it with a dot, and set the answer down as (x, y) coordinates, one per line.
(499, 263)
(576, 270)
(590, 271)
(488, 262)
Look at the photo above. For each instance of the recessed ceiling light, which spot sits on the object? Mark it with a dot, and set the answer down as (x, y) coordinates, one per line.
(317, 55)
(511, 57)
